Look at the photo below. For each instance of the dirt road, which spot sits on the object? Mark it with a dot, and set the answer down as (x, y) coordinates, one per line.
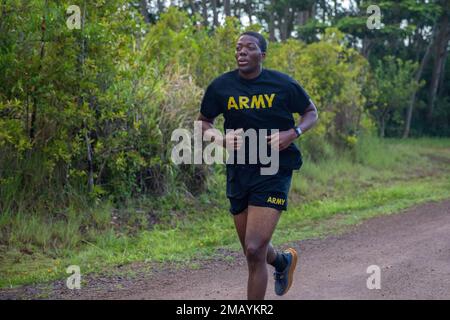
(412, 250)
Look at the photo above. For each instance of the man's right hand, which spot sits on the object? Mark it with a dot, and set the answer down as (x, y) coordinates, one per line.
(232, 140)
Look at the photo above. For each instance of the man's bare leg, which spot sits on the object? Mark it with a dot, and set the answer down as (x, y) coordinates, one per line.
(255, 227)
(240, 222)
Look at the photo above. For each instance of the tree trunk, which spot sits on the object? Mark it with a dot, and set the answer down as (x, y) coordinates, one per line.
(227, 8)
(192, 6)
(303, 17)
(215, 15)
(33, 89)
(237, 10)
(90, 163)
(3, 14)
(424, 61)
(205, 13)
(313, 11)
(290, 23)
(382, 125)
(272, 27)
(81, 59)
(248, 10)
(382, 118)
(144, 10)
(324, 10)
(441, 80)
(160, 5)
(367, 45)
(284, 24)
(287, 23)
(442, 39)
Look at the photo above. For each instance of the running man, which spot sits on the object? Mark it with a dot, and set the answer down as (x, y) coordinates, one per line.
(252, 97)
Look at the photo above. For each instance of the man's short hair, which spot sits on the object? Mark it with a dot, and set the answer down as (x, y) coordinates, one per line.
(261, 40)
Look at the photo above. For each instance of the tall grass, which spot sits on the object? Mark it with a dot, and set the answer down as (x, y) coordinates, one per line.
(377, 174)
(372, 161)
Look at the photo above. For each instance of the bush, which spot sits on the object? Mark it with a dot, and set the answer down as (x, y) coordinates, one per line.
(105, 102)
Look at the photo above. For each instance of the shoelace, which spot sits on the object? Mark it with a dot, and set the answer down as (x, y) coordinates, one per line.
(278, 275)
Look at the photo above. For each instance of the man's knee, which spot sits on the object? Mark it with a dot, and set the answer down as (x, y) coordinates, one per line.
(256, 252)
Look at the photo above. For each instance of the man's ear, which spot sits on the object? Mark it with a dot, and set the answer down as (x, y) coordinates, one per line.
(263, 56)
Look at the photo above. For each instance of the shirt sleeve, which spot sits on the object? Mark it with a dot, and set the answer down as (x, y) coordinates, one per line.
(299, 99)
(210, 107)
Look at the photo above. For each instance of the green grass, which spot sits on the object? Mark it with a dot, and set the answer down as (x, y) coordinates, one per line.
(379, 177)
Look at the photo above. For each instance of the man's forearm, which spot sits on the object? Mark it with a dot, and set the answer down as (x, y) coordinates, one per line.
(211, 135)
(308, 121)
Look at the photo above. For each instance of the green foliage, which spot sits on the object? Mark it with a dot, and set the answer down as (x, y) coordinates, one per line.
(394, 84)
(339, 189)
(93, 114)
(334, 76)
(86, 115)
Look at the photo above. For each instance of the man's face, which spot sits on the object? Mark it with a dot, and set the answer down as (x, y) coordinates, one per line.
(248, 54)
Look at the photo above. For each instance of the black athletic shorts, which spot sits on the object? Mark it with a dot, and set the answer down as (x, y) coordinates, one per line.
(246, 186)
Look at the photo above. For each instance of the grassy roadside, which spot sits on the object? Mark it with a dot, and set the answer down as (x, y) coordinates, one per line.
(381, 177)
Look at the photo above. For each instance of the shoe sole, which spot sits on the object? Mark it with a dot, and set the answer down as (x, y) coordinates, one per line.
(292, 268)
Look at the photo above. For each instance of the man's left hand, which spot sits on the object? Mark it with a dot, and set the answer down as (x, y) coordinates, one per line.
(282, 139)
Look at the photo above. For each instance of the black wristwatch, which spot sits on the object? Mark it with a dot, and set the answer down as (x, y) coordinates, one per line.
(298, 131)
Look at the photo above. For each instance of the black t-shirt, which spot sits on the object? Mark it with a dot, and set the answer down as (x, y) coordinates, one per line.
(265, 102)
